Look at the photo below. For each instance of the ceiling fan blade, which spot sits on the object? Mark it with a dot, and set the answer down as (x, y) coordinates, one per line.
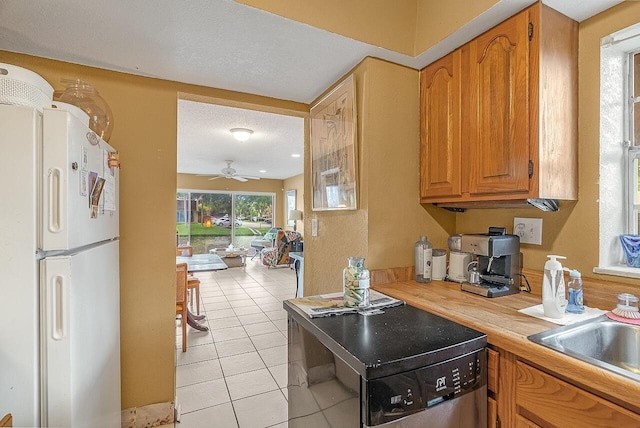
(239, 178)
(251, 177)
(216, 177)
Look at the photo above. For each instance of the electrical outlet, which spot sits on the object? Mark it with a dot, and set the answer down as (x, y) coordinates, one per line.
(528, 229)
(314, 227)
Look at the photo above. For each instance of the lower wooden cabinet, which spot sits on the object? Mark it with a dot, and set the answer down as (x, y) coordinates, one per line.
(548, 401)
(523, 396)
(522, 422)
(492, 413)
(493, 363)
(6, 421)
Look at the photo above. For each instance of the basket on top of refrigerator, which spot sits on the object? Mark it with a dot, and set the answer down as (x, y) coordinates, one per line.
(19, 86)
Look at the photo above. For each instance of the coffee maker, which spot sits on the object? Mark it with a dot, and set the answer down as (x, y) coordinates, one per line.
(497, 260)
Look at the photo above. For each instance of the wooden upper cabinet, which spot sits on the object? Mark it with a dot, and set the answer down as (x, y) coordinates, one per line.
(440, 127)
(499, 123)
(499, 116)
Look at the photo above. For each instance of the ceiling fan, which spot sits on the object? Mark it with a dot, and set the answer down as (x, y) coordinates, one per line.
(229, 172)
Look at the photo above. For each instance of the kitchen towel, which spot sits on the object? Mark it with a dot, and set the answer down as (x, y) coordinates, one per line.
(538, 312)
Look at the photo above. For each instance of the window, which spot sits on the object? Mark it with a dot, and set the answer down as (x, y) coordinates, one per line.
(291, 205)
(633, 143)
(207, 220)
(619, 201)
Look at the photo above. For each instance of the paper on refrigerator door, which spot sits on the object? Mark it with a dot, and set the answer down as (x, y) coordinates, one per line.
(109, 190)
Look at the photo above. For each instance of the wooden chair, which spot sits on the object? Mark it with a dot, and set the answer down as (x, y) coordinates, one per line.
(193, 283)
(193, 287)
(181, 300)
(184, 250)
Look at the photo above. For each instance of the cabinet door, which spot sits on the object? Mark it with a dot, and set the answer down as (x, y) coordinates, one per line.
(522, 422)
(549, 401)
(499, 138)
(440, 167)
(492, 413)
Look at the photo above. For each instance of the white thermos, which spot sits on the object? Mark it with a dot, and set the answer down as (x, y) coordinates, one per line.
(554, 301)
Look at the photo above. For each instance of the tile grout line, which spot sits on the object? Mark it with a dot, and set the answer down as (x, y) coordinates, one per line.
(231, 283)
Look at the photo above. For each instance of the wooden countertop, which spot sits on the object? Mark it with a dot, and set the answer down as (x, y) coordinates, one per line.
(508, 329)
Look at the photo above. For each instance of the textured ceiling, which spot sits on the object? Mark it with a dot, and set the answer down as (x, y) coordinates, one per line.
(220, 44)
(205, 142)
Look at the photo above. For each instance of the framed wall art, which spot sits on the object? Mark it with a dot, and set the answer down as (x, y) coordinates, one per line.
(333, 149)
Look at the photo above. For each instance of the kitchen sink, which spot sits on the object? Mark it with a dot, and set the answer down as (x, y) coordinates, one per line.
(600, 341)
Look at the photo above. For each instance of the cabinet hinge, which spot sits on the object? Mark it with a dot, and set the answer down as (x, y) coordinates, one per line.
(530, 31)
(530, 168)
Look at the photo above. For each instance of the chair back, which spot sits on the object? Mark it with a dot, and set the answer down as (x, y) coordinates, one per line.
(184, 250)
(284, 242)
(181, 283)
(272, 235)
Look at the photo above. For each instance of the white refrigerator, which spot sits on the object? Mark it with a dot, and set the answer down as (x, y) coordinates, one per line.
(59, 273)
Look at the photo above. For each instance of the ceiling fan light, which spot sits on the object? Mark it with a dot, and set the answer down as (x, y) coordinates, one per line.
(241, 134)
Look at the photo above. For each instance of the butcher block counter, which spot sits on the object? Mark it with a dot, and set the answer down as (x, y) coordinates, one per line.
(531, 379)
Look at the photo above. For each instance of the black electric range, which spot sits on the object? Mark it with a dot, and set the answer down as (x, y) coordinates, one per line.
(402, 338)
(395, 366)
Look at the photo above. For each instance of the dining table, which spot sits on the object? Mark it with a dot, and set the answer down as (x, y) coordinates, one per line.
(200, 263)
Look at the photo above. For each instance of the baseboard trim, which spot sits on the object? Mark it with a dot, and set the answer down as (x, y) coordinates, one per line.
(148, 416)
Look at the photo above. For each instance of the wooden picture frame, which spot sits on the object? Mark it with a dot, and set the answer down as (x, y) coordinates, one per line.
(333, 149)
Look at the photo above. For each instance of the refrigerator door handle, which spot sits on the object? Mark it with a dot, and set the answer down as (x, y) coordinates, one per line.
(59, 298)
(55, 341)
(54, 209)
(56, 277)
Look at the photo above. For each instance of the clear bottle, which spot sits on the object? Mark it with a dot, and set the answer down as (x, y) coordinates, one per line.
(423, 251)
(576, 296)
(355, 283)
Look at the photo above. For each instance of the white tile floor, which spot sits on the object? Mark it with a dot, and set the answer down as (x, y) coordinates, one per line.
(235, 375)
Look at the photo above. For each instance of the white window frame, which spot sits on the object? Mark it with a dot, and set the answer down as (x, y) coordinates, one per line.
(633, 149)
(616, 201)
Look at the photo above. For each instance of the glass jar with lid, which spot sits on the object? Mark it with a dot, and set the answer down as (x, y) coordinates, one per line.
(355, 283)
(85, 96)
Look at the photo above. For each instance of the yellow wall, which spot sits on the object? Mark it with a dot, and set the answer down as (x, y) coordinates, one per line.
(573, 231)
(389, 218)
(408, 26)
(388, 24)
(439, 19)
(296, 183)
(145, 126)
(383, 229)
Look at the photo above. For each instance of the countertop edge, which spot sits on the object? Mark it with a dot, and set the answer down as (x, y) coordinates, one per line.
(506, 328)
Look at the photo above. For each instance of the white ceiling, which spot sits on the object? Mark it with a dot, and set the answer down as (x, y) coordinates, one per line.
(220, 44)
(204, 141)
